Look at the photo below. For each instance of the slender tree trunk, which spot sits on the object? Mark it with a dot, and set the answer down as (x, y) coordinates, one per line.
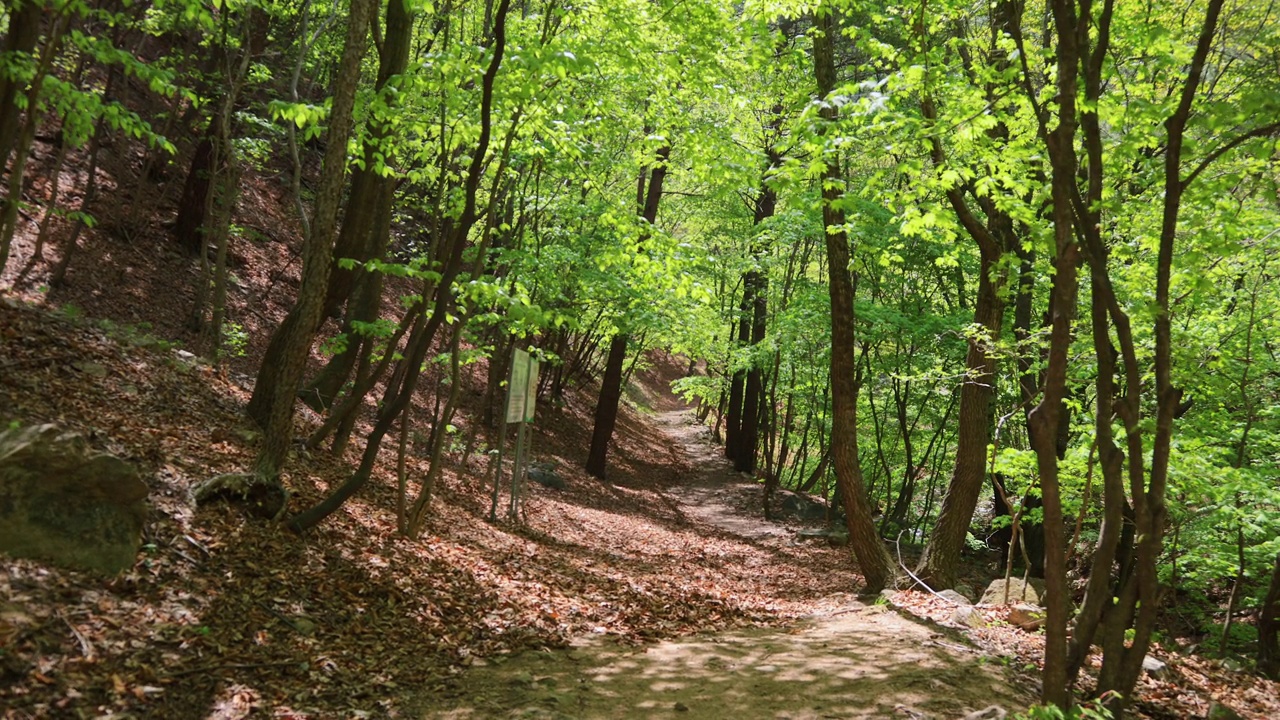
(1269, 627)
(21, 38)
(400, 390)
(189, 227)
(286, 357)
(994, 238)
(873, 558)
(756, 295)
(606, 414)
(737, 384)
(21, 149)
(942, 556)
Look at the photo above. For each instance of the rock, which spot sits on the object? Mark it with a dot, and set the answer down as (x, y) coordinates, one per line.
(803, 506)
(1026, 617)
(60, 501)
(988, 713)
(966, 591)
(1019, 592)
(1218, 711)
(681, 707)
(542, 475)
(1153, 667)
(185, 355)
(955, 597)
(835, 536)
(968, 616)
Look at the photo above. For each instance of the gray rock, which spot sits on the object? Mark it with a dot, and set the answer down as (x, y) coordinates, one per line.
(62, 502)
(955, 597)
(1154, 667)
(547, 478)
(834, 535)
(1026, 617)
(989, 713)
(808, 507)
(1019, 592)
(968, 616)
(966, 591)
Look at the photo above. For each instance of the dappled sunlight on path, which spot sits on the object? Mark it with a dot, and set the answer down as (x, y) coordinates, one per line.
(851, 660)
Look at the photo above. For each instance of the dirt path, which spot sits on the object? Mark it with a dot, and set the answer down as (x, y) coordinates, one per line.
(853, 661)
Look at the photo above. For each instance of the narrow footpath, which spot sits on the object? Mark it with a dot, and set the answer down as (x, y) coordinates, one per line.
(850, 660)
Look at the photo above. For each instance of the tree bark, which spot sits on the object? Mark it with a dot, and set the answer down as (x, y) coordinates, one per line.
(1269, 627)
(606, 413)
(23, 34)
(281, 372)
(873, 558)
(942, 555)
(994, 238)
(756, 295)
(400, 390)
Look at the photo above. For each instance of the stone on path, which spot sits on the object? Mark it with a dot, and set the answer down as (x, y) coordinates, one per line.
(1019, 592)
(1026, 617)
(955, 597)
(968, 616)
(1154, 667)
(63, 502)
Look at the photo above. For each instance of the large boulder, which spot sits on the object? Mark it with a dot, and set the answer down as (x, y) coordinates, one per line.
(60, 501)
(544, 473)
(1019, 592)
(805, 507)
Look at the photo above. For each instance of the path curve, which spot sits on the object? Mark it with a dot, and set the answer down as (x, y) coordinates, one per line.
(853, 661)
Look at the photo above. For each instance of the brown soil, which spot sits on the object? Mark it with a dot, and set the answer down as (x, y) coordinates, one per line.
(847, 660)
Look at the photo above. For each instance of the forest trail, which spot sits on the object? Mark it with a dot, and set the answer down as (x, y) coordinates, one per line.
(850, 660)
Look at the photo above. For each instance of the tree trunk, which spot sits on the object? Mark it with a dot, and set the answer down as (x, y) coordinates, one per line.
(942, 556)
(755, 294)
(21, 149)
(1269, 627)
(606, 414)
(286, 357)
(400, 390)
(189, 227)
(873, 558)
(21, 39)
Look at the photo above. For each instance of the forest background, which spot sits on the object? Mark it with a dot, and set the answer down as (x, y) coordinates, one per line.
(922, 256)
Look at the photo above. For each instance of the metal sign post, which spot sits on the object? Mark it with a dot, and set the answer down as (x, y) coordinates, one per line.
(522, 394)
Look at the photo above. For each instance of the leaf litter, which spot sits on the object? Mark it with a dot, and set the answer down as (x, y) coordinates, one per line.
(225, 617)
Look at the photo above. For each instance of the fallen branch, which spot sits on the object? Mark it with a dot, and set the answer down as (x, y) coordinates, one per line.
(897, 544)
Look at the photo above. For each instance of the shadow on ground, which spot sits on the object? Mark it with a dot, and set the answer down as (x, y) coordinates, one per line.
(861, 662)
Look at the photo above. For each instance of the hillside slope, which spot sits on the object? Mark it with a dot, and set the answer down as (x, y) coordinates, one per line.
(223, 611)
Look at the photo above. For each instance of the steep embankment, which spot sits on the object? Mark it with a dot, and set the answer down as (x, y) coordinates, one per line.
(223, 615)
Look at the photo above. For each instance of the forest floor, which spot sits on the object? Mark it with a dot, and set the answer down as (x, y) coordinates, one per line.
(660, 590)
(225, 617)
(847, 659)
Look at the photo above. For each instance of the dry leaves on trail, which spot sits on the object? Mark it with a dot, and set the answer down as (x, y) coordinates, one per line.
(227, 617)
(1192, 684)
